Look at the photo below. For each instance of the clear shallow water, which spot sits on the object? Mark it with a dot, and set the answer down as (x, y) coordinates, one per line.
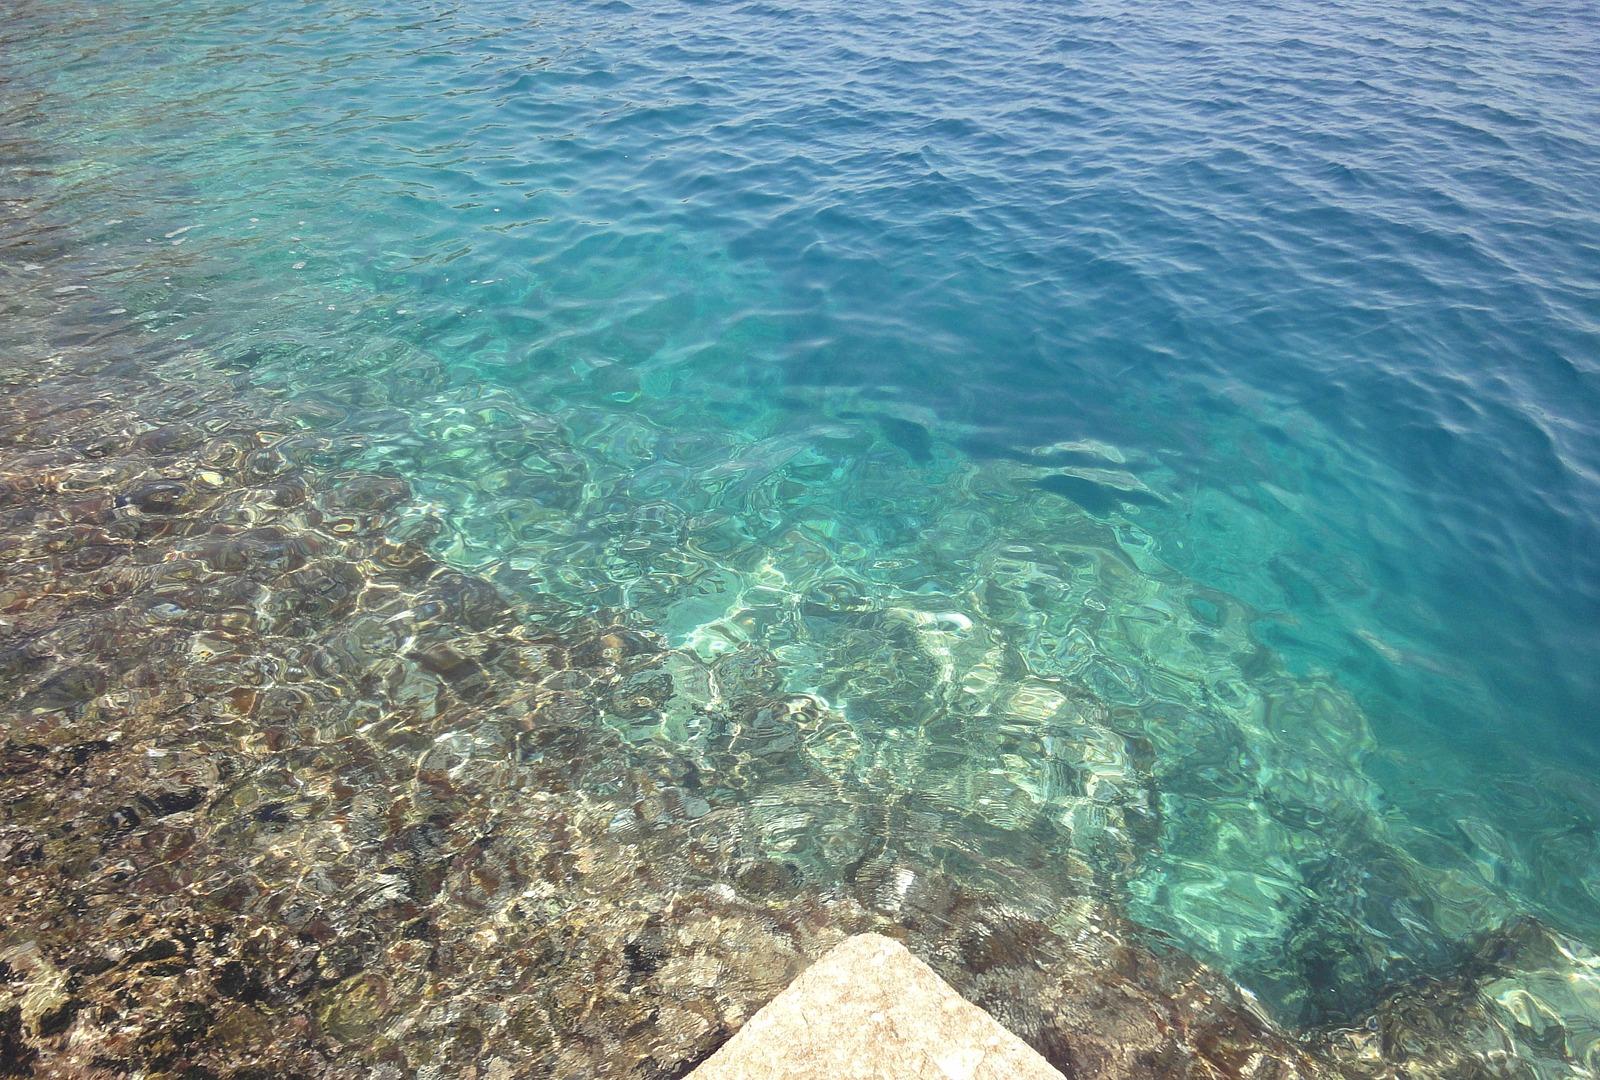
(1167, 438)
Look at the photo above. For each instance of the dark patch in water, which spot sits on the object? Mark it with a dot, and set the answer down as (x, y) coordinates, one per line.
(1096, 498)
(908, 436)
(16, 1055)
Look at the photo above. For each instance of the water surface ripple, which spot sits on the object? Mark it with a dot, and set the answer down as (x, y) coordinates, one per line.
(1157, 447)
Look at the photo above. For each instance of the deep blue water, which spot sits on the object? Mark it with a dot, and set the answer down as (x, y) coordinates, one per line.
(1176, 424)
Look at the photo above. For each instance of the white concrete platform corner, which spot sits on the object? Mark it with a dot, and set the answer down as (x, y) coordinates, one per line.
(869, 1010)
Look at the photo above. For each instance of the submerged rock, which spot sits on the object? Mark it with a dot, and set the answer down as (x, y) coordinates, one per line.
(284, 794)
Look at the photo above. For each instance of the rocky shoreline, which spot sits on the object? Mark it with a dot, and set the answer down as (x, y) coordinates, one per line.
(286, 796)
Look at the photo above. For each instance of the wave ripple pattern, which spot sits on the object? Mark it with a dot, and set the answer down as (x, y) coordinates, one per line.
(1156, 447)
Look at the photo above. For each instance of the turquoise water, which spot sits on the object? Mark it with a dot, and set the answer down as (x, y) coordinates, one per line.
(1161, 436)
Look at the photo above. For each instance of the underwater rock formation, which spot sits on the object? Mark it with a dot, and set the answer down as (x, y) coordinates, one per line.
(284, 795)
(287, 796)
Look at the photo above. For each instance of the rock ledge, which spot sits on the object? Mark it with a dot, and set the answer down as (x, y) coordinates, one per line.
(869, 1010)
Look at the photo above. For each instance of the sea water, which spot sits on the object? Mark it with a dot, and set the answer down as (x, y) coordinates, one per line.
(1162, 433)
